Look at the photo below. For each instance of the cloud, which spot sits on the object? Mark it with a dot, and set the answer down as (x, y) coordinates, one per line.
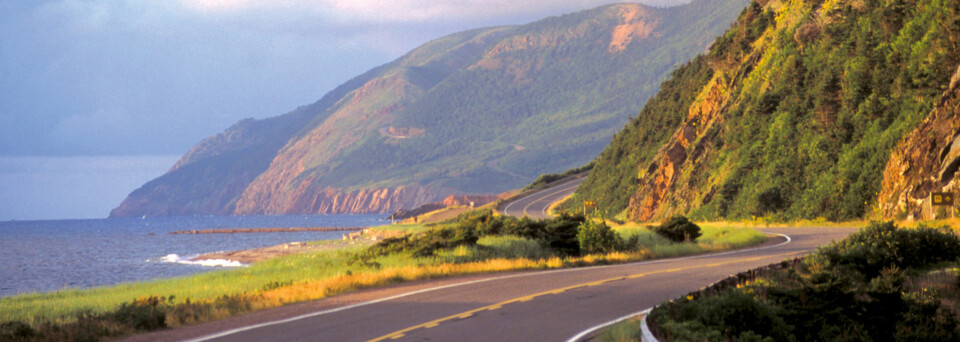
(156, 76)
(406, 11)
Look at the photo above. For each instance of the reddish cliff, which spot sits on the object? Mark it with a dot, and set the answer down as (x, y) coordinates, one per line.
(684, 151)
(282, 188)
(925, 161)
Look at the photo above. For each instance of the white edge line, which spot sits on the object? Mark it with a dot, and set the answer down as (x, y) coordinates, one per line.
(584, 333)
(507, 208)
(590, 330)
(544, 211)
(352, 306)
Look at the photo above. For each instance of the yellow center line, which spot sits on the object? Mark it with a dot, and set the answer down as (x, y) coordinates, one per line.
(467, 314)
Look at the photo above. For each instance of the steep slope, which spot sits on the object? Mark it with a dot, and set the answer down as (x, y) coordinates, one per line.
(793, 113)
(926, 161)
(481, 111)
(209, 178)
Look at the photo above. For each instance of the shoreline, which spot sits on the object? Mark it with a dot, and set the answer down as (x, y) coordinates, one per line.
(361, 237)
(264, 230)
(250, 256)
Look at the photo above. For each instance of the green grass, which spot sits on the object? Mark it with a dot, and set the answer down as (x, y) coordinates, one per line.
(320, 274)
(209, 285)
(714, 238)
(498, 247)
(412, 228)
(621, 332)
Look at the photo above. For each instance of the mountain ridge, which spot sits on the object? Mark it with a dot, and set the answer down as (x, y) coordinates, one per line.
(479, 112)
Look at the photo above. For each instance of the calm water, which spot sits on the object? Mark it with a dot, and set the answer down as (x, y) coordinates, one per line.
(40, 256)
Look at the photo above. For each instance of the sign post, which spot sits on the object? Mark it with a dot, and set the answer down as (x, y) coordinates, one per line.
(589, 204)
(942, 199)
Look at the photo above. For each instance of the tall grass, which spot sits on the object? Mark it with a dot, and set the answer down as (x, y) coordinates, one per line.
(714, 238)
(320, 274)
(626, 331)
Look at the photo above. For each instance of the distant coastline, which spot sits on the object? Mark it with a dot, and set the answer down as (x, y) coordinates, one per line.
(264, 230)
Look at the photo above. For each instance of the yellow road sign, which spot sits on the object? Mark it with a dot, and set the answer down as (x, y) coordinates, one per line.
(942, 198)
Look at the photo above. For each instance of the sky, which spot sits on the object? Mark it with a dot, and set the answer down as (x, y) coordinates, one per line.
(90, 86)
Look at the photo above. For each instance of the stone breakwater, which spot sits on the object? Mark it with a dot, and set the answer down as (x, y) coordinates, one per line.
(264, 230)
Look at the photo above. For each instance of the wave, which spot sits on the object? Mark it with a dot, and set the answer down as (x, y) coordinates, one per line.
(173, 258)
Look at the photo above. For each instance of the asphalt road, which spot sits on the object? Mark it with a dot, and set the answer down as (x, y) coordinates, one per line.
(550, 305)
(535, 204)
(522, 306)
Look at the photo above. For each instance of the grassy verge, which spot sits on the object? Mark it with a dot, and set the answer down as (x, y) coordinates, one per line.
(481, 243)
(882, 283)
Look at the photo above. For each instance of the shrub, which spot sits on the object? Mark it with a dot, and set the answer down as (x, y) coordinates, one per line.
(561, 234)
(770, 201)
(856, 289)
(678, 229)
(143, 314)
(16, 331)
(596, 237)
(730, 315)
(426, 243)
(883, 245)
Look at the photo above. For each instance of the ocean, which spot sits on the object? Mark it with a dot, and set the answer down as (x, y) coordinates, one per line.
(43, 256)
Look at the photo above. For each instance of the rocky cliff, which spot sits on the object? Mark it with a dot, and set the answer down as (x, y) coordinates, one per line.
(926, 161)
(658, 193)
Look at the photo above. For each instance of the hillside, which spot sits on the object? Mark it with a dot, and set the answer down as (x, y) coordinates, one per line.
(794, 113)
(477, 112)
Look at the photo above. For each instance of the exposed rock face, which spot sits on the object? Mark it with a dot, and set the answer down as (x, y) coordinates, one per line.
(659, 183)
(282, 190)
(925, 161)
(638, 24)
(208, 179)
(334, 201)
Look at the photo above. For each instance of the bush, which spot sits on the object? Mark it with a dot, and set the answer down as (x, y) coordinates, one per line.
(883, 245)
(16, 331)
(143, 314)
(561, 234)
(678, 229)
(427, 243)
(730, 315)
(857, 289)
(597, 237)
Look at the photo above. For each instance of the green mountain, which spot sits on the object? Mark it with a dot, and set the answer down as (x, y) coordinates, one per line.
(482, 111)
(794, 113)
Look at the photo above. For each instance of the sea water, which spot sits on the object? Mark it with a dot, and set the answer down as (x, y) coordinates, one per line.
(42, 256)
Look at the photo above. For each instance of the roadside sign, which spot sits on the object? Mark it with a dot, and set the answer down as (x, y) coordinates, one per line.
(592, 205)
(942, 198)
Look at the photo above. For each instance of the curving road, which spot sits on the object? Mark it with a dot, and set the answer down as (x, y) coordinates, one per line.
(523, 306)
(554, 305)
(535, 204)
